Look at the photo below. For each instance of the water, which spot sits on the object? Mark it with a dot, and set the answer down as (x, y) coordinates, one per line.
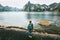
(21, 18)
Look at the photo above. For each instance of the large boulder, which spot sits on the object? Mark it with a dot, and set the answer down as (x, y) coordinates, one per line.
(58, 24)
(44, 23)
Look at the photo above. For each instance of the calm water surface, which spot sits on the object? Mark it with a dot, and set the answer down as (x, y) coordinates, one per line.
(21, 18)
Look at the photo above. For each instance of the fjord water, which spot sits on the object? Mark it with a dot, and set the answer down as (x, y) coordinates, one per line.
(21, 18)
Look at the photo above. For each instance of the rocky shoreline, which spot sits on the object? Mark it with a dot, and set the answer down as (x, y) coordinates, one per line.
(47, 31)
(21, 34)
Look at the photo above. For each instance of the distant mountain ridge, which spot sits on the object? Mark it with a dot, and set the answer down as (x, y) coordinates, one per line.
(7, 8)
(55, 7)
(38, 7)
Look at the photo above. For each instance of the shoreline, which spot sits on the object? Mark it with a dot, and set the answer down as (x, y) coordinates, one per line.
(15, 34)
(25, 29)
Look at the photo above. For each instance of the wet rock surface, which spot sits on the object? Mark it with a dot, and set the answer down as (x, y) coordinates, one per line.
(8, 34)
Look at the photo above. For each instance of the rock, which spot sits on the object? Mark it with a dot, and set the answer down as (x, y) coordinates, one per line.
(6, 34)
(45, 23)
(58, 24)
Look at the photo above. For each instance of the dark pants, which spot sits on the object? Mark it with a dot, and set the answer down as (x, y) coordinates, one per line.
(30, 31)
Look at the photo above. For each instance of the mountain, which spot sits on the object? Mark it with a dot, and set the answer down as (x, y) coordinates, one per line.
(57, 8)
(38, 7)
(34, 7)
(7, 8)
(53, 5)
(1, 7)
(29, 6)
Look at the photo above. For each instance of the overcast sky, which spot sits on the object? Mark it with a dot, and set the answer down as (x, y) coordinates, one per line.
(21, 3)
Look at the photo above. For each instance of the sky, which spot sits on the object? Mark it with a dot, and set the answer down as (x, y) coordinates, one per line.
(21, 3)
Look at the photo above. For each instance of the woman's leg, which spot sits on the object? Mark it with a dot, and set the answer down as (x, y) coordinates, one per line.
(30, 32)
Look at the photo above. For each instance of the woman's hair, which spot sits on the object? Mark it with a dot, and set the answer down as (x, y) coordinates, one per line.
(30, 21)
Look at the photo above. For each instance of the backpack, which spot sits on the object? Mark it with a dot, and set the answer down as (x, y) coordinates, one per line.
(30, 26)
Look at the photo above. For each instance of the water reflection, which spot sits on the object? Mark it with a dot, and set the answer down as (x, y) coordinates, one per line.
(21, 18)
(43, 16)
(1, 18)
(39, 16)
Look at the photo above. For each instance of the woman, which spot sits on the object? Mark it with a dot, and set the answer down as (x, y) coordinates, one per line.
(30, 28)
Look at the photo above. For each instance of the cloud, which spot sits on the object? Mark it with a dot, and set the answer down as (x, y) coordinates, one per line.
(44, 1)
(21, 3)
